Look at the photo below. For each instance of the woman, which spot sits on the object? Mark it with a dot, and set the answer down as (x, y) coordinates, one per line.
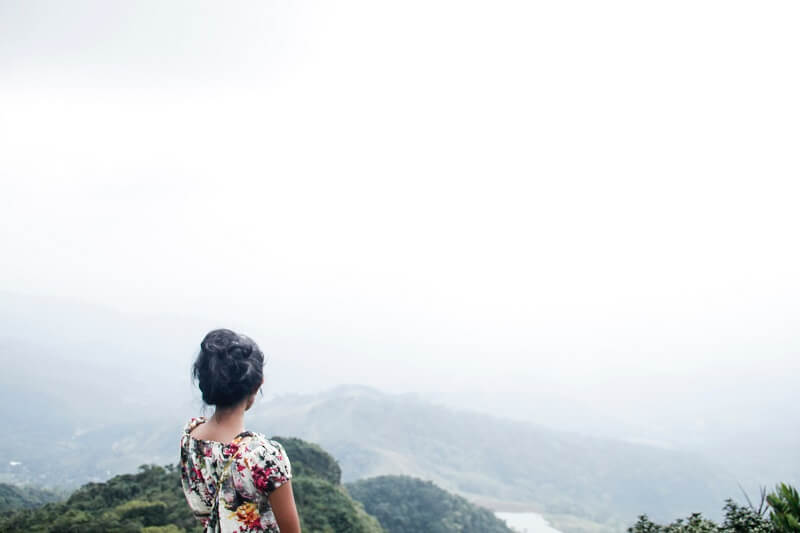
(234, 480)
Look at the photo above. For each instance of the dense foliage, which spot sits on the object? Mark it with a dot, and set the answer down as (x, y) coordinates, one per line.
(128, 503)
(323, 504)
(408, 505)
(785, 503)
(151, 501)
(784, 517)
(326, 508)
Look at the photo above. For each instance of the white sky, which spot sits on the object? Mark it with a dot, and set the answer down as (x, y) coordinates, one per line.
(576, 202)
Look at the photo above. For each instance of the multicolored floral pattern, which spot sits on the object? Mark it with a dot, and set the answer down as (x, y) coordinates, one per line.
(259, 467)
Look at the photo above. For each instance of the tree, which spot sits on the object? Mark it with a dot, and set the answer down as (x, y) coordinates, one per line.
(785, 503)
(738, 519)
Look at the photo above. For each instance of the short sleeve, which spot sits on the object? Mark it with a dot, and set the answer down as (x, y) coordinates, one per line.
(270, 467)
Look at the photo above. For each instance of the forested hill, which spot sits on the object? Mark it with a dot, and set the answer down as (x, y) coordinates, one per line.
(148, 499)
(151, 501)
(409, 505)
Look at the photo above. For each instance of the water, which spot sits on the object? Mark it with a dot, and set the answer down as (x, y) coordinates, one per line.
(527, 522)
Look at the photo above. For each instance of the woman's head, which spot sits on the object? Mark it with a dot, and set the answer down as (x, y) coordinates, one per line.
(229, 368)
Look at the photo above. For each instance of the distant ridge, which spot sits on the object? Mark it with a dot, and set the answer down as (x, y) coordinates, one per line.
(502, 463)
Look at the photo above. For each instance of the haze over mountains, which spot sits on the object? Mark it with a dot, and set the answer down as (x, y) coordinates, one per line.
(501, 463)
(571, 223)
(106, 392)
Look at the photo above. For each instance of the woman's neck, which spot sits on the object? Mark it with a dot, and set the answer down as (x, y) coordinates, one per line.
(229, 420)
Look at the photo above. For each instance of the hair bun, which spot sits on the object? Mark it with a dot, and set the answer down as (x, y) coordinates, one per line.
(229, 367)
(218, 341)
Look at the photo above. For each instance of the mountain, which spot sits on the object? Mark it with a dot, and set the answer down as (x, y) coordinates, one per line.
(407, 505)
(104, 391)
(502, 463)
(323, 503)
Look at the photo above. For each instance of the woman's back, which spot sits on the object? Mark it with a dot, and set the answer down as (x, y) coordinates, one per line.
(250, 468)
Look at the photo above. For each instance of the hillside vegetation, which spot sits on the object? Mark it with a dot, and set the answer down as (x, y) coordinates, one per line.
(322, 502)
(778, 512)
(407, 505)
(151, 501)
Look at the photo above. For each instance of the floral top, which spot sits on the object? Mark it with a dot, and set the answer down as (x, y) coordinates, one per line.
(259, 466)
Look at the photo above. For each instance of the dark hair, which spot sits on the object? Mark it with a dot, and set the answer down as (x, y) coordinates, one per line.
(229, 367)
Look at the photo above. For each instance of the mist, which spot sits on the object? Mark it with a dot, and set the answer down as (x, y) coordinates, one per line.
(577, 214)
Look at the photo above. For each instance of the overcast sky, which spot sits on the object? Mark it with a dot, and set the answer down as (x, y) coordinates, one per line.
(589, 203)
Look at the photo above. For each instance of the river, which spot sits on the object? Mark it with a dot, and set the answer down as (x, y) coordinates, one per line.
(527, 522)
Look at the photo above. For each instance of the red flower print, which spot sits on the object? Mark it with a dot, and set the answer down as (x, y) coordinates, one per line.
(262, 477)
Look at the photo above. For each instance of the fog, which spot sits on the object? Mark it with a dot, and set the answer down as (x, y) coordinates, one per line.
(581, 214)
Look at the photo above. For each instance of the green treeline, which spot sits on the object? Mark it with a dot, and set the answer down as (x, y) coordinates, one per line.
(408, 505)
(778, 512)
(151, 501)
(322, 502)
